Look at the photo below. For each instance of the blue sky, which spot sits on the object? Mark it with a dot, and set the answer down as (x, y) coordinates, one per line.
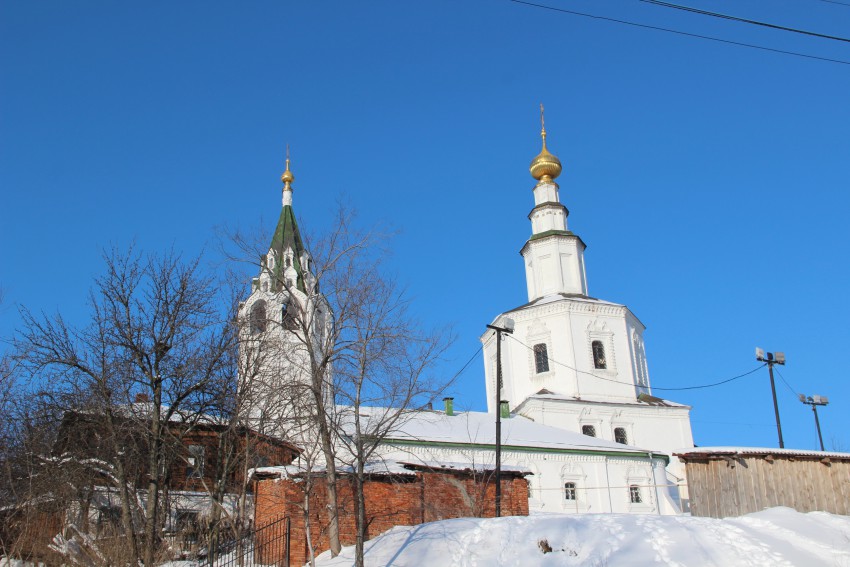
(710, 181)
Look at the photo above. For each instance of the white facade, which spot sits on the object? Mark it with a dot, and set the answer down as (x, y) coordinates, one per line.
(571, 473)
(573, 361)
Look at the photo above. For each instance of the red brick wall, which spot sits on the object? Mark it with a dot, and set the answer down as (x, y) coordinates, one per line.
(390, 501)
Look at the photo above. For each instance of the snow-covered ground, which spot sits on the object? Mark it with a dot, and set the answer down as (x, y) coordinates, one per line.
(774, 537)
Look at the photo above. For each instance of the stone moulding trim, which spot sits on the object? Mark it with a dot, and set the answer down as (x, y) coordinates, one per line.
(565, 305)
(519, 449)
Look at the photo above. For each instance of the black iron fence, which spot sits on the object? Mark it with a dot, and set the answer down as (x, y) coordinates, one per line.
(265, 546)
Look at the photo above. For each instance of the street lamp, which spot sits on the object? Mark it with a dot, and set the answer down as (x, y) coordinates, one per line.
(508, 328)
(772, 359)
(815, 401)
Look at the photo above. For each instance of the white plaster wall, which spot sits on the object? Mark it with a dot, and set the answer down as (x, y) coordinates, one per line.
(567, 327)
(602, 482)
(657, 428)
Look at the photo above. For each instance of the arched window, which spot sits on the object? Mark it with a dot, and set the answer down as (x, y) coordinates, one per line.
(570, 491)
(620, 435)
(541, 358)
(588, 430)
(598, 355)
(289, 316)
(258, 317)
(634, 494)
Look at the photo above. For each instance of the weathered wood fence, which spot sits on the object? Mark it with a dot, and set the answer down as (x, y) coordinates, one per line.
(735, 481)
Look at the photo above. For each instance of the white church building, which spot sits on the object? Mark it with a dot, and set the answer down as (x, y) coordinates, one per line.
(578, 411)
(576, 362)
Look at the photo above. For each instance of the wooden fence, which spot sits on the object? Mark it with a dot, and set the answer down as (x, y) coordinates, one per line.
(733, 482)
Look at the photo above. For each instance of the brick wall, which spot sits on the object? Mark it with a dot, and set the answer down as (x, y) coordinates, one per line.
(423, 496)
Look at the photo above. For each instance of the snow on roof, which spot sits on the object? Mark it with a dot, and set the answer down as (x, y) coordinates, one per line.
(465, 466)
(385, 467)
(708, 451)
(603, 400)
(478, 428)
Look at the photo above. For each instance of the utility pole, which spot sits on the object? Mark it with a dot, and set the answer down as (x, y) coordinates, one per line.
(815, 401)
(508, 328)
(770, 359)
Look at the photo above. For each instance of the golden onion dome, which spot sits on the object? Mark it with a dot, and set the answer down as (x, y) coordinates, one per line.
(545, 167)
(287, 176)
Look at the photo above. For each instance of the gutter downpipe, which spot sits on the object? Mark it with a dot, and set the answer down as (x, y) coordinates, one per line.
(608, 483)
(655, 482)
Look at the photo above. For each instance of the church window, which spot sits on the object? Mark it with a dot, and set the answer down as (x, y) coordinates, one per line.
(598, 355)
(288, 262)
(620, 435)
(634, 494)
(541, 358)
(258, 317)
(570, 490)
(195, 461)
(588, 430)
(289, 318)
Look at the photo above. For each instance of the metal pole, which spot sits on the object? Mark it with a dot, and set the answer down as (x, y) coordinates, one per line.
(817, 424)
(498, 423)
(775, 404)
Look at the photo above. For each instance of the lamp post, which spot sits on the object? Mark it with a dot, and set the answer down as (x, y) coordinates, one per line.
(815, 401)
(508, 328)
(772, 359)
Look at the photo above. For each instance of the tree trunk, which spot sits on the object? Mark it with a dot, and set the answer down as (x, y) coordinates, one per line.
(330, 471)
(154, 458)
(360, 520)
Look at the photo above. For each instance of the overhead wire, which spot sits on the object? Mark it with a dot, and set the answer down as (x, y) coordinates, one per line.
(468, 362)
(742, 20)
(688, 34)
(787, 385)
(835, 2)
(630, 383)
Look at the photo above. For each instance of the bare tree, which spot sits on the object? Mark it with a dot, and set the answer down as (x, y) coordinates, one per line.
(382, 374)
(351, 344)
(156, 339)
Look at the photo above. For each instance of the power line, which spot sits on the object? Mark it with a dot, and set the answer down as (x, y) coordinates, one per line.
(628, 23)
(743, 20)
(835, 2)
(468, 362)
(787, 385)
(631, 383)
(716, 383)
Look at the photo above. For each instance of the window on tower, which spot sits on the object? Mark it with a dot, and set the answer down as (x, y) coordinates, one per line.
(620, 435)
(289, 316)
(588, 430)
(541, 358)
(598, 355)
(258, 317)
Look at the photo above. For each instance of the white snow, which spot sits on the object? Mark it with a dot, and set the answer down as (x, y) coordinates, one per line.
(760, 451)
(775, 537)
(478, 428)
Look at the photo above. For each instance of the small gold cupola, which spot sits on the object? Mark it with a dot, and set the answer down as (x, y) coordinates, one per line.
(287, 176)
(545, 167)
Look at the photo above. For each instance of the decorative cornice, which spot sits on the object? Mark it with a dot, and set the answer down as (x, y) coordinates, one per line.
(550, 205)
(520, 449)
(554, 234)
(565, 305)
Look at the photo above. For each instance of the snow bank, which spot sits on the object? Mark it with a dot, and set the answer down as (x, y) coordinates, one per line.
(775, 537)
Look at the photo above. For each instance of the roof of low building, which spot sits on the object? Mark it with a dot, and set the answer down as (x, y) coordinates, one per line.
(708, 452)
(477, 429)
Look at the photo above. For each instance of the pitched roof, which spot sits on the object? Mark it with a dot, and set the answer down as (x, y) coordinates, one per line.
(477, 429)
(287, 236)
